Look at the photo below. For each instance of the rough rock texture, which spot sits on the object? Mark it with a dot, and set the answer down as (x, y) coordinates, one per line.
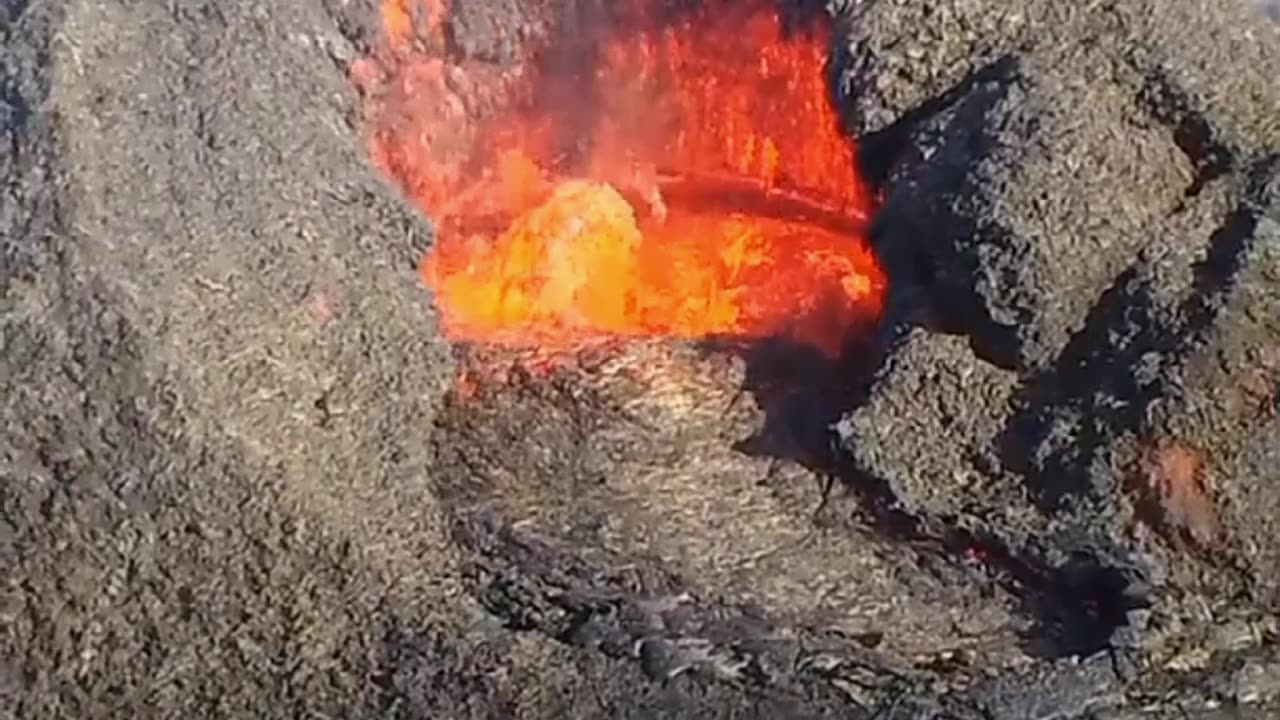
(932, 423)
(1088, 203)
(1027, 177)
(1026, 236)
(637, 454)
(241, 474)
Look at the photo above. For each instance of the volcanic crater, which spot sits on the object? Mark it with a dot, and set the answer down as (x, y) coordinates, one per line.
(483, 358)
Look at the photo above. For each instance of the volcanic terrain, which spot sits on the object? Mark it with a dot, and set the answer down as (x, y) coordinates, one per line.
(487, 359)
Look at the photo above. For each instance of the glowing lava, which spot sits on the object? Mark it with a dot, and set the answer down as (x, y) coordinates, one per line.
(692, 181)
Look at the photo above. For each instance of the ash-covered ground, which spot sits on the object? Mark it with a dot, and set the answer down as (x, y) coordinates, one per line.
(239, 475)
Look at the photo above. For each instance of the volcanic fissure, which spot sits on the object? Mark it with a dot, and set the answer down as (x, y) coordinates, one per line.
(628, 183)
(671, 171)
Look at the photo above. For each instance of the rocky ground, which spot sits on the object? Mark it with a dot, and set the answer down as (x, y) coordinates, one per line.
(239, 476)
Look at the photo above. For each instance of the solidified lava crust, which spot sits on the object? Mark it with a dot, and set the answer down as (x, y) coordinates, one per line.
(245, 471)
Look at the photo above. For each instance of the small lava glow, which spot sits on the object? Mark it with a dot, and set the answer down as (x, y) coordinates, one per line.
(674, 173)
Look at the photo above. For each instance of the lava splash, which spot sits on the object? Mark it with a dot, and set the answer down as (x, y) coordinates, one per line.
(666, 172)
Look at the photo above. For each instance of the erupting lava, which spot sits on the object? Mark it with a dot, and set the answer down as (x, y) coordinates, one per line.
(668, 173)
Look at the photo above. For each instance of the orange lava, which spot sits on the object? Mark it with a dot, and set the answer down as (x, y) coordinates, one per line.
(665, 176)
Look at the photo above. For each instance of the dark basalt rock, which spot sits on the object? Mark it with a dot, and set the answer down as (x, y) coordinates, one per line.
(930, 424)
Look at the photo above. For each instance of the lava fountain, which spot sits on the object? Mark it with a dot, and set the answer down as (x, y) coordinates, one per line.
(659, 171)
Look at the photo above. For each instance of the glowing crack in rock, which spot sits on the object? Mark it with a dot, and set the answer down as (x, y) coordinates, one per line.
(685, 176)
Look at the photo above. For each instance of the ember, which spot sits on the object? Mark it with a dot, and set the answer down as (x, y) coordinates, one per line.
(693, 181)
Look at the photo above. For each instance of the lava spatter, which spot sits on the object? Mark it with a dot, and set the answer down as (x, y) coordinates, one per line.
(698, 184)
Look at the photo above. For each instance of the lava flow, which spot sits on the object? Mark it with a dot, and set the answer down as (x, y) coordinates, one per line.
(661, 173)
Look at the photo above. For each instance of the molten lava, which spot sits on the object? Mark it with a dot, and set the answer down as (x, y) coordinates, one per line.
(670, 173)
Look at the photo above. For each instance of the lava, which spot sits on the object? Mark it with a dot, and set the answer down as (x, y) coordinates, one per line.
(666, 174)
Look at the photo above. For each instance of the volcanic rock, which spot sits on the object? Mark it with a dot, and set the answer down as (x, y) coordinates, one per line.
(490, 30)
(1137, 316)
(1258, 682)
(930, 424)
(242, 472)
(637, 453)
(1034, 177)
(1028, 239)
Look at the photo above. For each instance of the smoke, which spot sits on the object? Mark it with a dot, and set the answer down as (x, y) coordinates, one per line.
(1271, 8)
